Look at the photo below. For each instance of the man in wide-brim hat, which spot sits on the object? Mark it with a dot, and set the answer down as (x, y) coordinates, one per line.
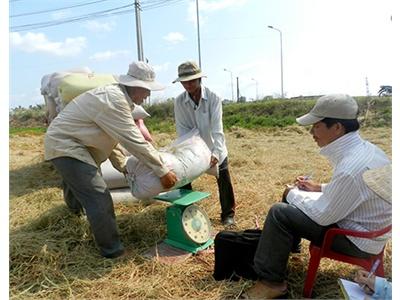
(198, 107)
(85, 134)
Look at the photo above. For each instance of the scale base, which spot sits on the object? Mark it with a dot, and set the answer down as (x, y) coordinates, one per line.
(189, 248)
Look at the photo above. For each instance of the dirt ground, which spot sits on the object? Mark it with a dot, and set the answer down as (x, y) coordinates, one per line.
(52, 254)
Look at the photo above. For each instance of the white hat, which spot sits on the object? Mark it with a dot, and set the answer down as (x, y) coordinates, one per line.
(188, 70)
(379, 180)
(140, 74)
(336, 106)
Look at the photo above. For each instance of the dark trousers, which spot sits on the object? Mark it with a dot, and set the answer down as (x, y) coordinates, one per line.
(284, 226)
(85, 188)
(225, 189)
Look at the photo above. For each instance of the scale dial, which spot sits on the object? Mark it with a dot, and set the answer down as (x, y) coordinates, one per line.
(196, 224)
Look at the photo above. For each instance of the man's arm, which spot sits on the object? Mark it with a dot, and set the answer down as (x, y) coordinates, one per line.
(117, 122)
(217, 130)
(118, 158)
(339, 198)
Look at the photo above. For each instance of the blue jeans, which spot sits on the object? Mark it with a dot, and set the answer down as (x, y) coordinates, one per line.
(85, 188)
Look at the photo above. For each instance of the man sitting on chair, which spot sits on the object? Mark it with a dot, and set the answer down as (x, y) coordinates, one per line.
(344, 202)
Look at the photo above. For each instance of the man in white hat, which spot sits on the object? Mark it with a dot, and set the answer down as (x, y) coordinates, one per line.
(200, 108)
(85, 134)
(310, 208)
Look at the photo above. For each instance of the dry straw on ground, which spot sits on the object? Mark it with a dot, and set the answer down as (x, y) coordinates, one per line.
(52, 254)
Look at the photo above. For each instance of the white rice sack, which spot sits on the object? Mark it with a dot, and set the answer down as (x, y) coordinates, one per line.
(139, 112)
(113, 178)
(188, 157)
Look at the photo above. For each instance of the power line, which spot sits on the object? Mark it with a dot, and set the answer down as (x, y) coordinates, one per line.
(103, 13)
(151, 4)
(158, 4)
(55, 9)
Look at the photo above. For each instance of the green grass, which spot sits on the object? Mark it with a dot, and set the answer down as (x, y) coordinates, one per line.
(27, 130)
(374, 112)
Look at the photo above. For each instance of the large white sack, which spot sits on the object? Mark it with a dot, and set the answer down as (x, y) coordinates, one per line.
(113, 178)
(188, 157)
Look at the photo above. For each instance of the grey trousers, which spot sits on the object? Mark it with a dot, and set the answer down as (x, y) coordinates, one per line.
(284, 226)
(85, 188)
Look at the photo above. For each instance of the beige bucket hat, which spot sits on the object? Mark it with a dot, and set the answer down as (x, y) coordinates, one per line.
(188, 70)
(336, 106)
(140, 74)
(379, 180)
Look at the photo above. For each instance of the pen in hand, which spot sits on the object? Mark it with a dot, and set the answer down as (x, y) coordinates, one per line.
(372, 271)
(307, 177)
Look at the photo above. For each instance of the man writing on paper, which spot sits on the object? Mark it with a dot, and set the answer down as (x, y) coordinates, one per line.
(344, 202)
(84, 135)
(380, 182)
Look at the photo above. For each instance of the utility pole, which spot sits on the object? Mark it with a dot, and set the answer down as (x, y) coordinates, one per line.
(280, 36)
(198, 31)
(237, 89)
(367, 87)
(139, 32)
(256, 88)
(233, 97)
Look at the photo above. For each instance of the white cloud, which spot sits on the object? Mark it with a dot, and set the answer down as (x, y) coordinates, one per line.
(107, 55)
(96, 26)
(38, 42)
(174, 37)
(207, 6)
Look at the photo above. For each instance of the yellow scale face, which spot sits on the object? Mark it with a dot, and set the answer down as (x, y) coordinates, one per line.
(196, 224)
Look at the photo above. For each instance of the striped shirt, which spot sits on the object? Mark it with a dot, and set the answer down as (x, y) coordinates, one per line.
(206, 116)
(346, 200)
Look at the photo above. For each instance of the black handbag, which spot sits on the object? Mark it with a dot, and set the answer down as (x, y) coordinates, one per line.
(234, 254)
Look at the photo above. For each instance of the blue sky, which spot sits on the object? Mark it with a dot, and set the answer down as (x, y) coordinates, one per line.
(328, 46)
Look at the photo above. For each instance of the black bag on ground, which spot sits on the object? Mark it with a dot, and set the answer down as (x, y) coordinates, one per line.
(234, 254)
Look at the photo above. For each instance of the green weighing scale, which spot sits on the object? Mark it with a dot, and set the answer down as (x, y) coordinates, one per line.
(188, 226)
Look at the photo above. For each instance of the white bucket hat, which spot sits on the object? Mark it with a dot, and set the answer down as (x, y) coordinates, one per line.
(188, 70)
(140, 74)
(379, 180)
(336, 106)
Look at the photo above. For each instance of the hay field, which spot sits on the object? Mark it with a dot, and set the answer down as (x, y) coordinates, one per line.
(52, 254)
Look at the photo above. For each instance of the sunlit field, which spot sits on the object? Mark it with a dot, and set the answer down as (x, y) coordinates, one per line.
(53, 256)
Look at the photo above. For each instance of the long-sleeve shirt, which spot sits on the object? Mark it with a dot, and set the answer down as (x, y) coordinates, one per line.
(206, 116)
(90, 127)
(346, 200)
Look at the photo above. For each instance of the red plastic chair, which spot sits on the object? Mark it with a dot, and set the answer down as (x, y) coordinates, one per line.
(316, 253)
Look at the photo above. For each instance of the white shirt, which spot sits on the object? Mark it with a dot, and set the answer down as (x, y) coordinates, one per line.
(207, 117)
(346, 200)
(90, 127)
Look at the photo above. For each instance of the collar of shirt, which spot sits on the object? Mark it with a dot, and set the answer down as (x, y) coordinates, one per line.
(336, 150)
(189, 100)
(128, 98)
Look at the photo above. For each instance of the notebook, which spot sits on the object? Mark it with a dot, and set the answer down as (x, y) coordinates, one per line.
(351, 290)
